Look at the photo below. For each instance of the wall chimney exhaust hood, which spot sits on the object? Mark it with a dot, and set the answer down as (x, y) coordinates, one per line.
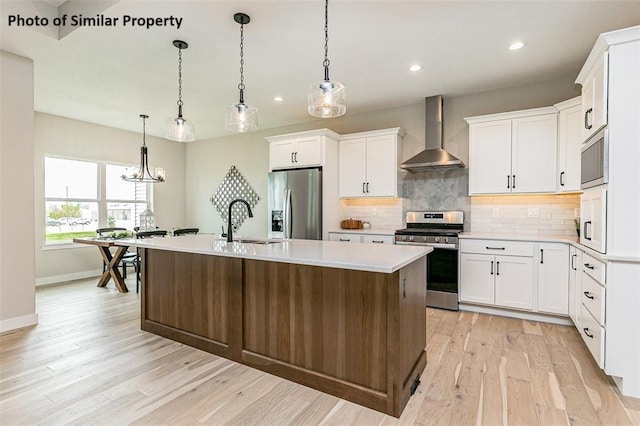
(433, 156)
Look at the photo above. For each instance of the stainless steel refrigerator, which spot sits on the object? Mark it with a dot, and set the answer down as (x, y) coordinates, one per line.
(295, 204)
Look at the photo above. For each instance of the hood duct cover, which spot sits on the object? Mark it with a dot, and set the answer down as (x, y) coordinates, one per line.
(433, 155)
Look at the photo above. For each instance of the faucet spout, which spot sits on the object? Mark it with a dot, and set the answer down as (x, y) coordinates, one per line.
(229, 224)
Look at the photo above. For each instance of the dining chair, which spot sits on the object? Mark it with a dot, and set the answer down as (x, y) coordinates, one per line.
(127, 258)
(136, 261)
(185, 231)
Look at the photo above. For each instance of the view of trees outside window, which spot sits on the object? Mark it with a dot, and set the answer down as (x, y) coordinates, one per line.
(81, 196)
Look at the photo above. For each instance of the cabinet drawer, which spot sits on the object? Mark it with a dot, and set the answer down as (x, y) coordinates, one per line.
(595, 268)
(378, 239)
(346, 238)
(593, 298)
(593, 335)
(497, 247)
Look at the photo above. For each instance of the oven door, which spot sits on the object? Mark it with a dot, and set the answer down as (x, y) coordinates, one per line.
(442, 278)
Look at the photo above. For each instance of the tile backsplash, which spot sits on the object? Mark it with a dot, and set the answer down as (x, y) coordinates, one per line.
(525, 214)
(385, 213)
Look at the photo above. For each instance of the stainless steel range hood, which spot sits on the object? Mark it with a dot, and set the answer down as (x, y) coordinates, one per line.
(433, 157)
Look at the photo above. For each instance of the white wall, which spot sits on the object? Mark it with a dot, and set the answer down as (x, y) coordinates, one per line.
(58, 136)
(17, 268)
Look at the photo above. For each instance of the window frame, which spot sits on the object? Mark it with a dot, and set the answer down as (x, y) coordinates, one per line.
(102, 201)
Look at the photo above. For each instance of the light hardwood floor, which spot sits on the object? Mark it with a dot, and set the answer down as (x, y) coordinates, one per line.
(88, 362)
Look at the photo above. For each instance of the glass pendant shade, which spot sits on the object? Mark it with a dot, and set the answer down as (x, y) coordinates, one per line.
(326, 99)
(241, 117)
(181, 130)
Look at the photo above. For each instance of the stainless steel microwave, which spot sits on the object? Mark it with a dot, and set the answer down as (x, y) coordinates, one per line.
(594, 164)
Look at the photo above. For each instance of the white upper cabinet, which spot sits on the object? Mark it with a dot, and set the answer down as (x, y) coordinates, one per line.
(513, 152)
(298, 150)
(570, 126)
(369, 163)
(594, 97)
(593, 217)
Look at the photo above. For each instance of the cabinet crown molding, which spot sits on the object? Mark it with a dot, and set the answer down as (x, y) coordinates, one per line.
(568, 103)
(382, 132)
(307, 133)
(511, 114)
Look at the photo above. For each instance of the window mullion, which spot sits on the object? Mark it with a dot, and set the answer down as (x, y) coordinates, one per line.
(102, 194)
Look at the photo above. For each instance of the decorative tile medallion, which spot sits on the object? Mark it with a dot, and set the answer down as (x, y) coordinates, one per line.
(234, 186)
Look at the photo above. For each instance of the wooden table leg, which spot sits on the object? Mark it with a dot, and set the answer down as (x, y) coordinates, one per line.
(111, 268)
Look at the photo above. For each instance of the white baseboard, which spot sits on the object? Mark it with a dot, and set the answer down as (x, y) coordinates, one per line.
(55, 279)
(18, 322)
(530, 316)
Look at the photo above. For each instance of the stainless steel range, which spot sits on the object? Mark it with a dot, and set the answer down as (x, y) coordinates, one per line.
(438, 230)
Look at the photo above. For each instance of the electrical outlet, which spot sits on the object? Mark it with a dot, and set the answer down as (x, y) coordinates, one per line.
(534, 212)
(496, 212)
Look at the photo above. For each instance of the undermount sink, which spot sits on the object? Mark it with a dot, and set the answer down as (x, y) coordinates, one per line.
(251, 241)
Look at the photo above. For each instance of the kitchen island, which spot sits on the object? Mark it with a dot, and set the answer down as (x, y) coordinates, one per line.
(346, 319)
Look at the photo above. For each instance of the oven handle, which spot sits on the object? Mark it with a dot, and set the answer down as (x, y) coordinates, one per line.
(434, 245)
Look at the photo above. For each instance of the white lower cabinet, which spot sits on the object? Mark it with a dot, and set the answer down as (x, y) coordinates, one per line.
(501, 280)
(553, 278)
(361, 238)
(575, 284)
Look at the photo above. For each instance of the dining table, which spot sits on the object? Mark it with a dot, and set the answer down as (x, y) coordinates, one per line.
(111, 260)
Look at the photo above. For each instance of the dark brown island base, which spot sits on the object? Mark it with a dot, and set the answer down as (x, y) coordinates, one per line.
(356, 334)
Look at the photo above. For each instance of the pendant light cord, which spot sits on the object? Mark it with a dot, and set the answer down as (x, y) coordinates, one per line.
(241, 85)
(326, 61)
(180, 79)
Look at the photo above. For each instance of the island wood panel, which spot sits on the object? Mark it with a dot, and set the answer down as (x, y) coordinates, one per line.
(186, 296)
(331, 321)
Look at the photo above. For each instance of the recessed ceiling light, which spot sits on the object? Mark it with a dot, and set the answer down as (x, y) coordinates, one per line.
(516, 45)
(415, 68)
(278, 99)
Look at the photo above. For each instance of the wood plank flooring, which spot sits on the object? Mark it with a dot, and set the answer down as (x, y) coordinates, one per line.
(88, 362)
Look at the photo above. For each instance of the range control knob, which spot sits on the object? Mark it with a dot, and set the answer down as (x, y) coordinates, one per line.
(437, 239)
(410, 237)
(446, 240)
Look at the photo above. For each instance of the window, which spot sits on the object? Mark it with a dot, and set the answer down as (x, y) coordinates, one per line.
(81, 196)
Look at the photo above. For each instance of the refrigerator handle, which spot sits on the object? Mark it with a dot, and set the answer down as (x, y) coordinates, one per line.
(287, 229)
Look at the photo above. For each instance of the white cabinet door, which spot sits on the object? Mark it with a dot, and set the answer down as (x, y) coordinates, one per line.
(575, 285)
(553, 278)
(345, 237)
(569, 144)
(593, 217)
(477, 278)
(514, 282)
(595, 98)
(382, 170)
(534, 150)
(308, 152)
(490, 157)
(281, 154)
(353, 168)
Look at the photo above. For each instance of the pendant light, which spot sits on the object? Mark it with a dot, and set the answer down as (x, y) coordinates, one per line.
(179, 129)
(142, 174)
(241, 117)
(326, 99)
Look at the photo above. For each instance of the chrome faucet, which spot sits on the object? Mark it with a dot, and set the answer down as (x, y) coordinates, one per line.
(229, 224)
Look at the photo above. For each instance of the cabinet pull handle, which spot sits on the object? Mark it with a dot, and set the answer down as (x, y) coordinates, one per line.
(589, 266)
(378, 241)
(345, 239)
(585, 229)
(514, 182)
(586, 121)
(367, 187)
(494, 248)
(588, 295)
(508, 181)
(363, 184)
(492, 267)
(292, 157)
(573, 265)
(561, 178)
(586, 331)
(497, 268)
(541, 255)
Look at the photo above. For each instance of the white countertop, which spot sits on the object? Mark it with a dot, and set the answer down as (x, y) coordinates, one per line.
(373, 231)
(572, 240)
(386, 258)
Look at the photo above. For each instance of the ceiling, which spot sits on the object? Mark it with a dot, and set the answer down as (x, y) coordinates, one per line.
(109, 75)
